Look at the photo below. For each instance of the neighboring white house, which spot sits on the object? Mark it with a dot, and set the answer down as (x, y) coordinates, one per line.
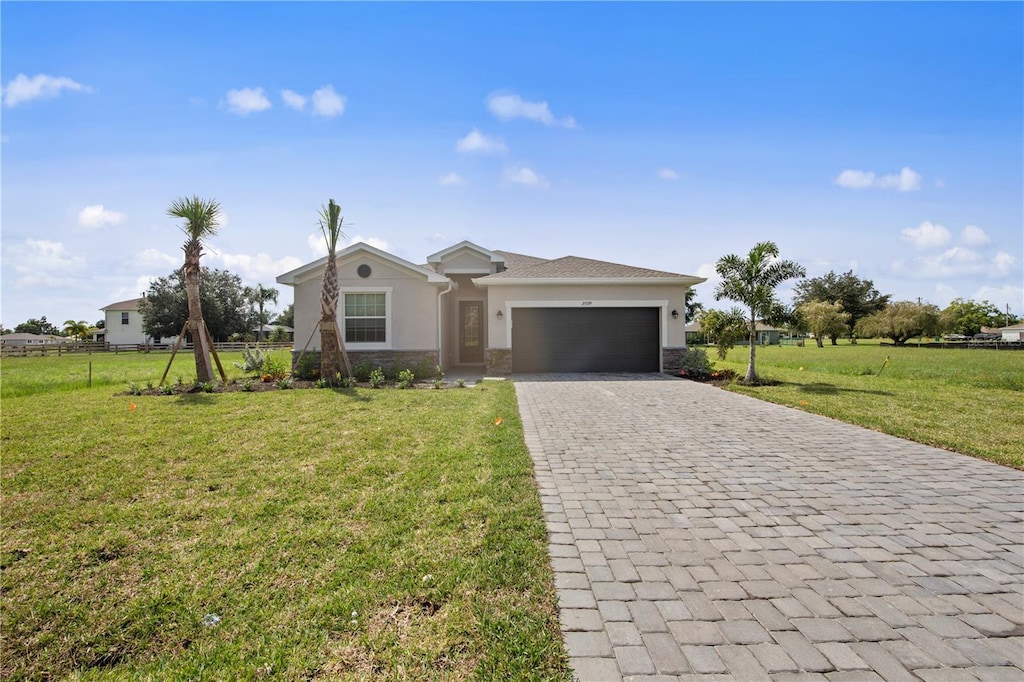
(469, 306)
(1015, 332)
(26, 339)
(123, 323)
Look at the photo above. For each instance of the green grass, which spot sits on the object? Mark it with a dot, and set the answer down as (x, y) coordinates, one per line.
(336, 534)
(966, 400)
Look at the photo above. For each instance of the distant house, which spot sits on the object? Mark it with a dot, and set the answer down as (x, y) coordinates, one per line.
(25, 339)
(1015, 332)
(766, 335)
(264, 332)
(123, 324)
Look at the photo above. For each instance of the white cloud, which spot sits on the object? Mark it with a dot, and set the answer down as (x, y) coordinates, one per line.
(328, 103)
(668, 174)
(974, 236)
(506, 107)
(476, 141)
(41, 86)
(956, 262)
(372, 241)
(293, 99)
(153, 258)
(1002, 296)
(95, 216)
(319, 247)
(133, 290)
(43, 263)
(926, 235)
(452, 179)
(247, 101)
(524, 176)
(254, 268)
(907, 180)
(1003, 263)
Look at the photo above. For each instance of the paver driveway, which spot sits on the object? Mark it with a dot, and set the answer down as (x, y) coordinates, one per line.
(696, 532)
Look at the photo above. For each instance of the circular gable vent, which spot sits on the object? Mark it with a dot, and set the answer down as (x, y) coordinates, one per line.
(364, 271)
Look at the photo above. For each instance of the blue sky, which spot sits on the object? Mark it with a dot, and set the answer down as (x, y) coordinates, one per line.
(883, 138)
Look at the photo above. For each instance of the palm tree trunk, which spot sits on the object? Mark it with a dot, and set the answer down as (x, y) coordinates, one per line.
(751, 373)
(330, 349)
(197, 327)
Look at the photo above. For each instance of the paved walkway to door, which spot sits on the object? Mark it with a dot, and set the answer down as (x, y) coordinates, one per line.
(699, 534)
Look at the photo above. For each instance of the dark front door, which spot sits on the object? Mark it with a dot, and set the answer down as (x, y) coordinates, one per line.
(471, 332)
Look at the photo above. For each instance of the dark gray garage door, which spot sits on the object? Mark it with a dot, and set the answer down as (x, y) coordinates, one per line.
(585, 340)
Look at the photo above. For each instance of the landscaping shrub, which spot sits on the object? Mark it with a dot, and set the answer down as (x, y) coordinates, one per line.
(406, 378)
(694, 364)
(362, 370)
(253, 360)
(274, 368)
(308, 367)
(377, 378)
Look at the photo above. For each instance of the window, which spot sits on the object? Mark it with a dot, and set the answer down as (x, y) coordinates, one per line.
(124, 317)
(366, 317)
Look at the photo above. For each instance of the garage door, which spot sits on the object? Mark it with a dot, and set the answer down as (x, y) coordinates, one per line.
(585, 340)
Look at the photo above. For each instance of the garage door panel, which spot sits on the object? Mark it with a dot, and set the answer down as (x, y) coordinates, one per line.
(585, 340)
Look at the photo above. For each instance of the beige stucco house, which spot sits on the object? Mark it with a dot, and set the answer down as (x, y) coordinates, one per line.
(468, 306)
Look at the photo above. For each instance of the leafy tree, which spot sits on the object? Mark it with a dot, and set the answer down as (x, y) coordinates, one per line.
(259, 296)
(100, 324)
(968, 317)
(287, 317)
(202, 217)
(724, 328)
(164, 308)
(901, 321)
(823, 319)
(859, 297)
(40, 326)
(76, 330)
(752, 282)
(693, 309)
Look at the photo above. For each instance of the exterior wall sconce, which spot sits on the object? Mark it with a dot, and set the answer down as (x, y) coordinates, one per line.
(675, 314)
(500, 315)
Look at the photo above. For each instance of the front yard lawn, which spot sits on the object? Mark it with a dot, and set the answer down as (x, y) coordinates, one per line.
(312, 534)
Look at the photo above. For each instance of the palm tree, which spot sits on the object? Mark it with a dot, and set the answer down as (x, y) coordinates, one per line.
(752, 281)
(332, 348)
(260, 296)
(202, 217)
(76, 330)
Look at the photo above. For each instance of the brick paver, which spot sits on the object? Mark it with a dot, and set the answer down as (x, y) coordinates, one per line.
(699, 534)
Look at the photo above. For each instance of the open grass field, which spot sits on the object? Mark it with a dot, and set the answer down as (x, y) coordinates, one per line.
(967, 400)
(303, 534)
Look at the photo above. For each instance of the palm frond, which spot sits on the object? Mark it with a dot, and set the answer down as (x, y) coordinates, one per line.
(330, 225)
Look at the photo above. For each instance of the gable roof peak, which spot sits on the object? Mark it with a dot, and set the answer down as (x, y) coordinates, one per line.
(439, 257)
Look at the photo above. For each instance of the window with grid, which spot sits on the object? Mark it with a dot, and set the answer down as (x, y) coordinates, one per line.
(366, 317)
(124, 318)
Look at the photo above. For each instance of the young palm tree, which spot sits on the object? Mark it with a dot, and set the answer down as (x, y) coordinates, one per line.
(260, 296)
(752, 281)
(332, 348)
(202, 217)
(76, 330)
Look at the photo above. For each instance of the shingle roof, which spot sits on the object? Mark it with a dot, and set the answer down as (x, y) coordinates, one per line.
(518, 260)
(131, 304)
(574, 267)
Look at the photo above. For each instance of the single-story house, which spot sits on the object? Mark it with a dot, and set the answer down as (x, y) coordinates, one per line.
(1015, 332)
(265, 331)
(766, 335)
(123, 324)
(28, 339)
(468, 306)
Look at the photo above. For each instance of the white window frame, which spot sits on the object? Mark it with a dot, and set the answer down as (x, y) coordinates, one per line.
(389, 330)
(125, 317)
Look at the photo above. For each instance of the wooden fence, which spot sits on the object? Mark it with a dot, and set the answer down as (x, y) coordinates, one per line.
(68, 348)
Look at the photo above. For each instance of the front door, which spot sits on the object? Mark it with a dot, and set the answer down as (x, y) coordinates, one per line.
(471, 332)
